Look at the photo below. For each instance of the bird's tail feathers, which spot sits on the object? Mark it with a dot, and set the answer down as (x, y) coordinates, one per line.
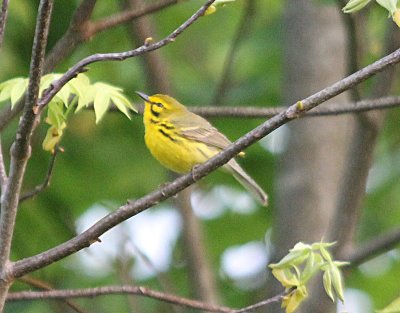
(247, 182)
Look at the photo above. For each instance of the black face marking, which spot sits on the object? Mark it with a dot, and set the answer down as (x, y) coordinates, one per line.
(155, 113)
(167, 135)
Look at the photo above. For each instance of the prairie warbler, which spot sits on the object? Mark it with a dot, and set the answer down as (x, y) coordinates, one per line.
(180, 139)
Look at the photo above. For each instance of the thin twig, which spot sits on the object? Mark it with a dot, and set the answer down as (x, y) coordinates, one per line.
(241, 33)
(20, 150)
(132, 208)
(376, 246)
(81, 65)
(112, 290)
(139, 291)
(3, 172)
(127, 16)
(3, 20)
(39, 188)
(277, 298)
(33, 282)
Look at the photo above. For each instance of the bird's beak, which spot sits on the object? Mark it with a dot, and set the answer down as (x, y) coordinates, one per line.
(143, 96)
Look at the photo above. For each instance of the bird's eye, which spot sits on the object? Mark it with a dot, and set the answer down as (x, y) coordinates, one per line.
(160, 105)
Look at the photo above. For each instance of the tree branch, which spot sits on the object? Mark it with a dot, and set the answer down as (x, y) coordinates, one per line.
(39, 188)
(80, 66)
(45, 286)
(376, 246)
(127, 16)
(20, 150)
(110, 290)
(139, 291)
(3, 20)
(3, 172)
(266, 112)
(74, 35)
(130, 209)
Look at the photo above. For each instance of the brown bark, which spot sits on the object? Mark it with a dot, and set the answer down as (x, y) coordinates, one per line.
(310, 169)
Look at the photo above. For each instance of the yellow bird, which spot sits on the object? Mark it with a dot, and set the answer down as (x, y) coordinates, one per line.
(180, 140)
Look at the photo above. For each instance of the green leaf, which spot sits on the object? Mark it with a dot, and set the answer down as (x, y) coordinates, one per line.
(312, 266)
(292, 301)
(55, 114)
(295, 256)
(53, 137)
(79, 85)
(101, 103)
(325, 253)
(390, 5)
(7, 87)
(46, 81)
(17, 91)
(355, 5)
(286, 277)
(337, 282)
(327, 280)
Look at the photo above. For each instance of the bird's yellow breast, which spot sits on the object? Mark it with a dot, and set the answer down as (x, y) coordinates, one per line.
(173, 150)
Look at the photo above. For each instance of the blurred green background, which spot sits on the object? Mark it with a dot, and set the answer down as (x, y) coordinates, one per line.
(104, 165)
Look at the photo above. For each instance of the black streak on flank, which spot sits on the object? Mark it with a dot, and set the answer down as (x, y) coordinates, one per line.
(167, 135)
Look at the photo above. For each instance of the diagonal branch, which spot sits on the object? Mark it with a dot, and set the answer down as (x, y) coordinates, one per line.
(139, 291)
(80, 66)
(376, 246)
(127, 16)
(39, 188)
(3, 19)
(130, 209)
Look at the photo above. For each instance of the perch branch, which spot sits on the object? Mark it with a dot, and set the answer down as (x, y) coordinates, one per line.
(130, 209)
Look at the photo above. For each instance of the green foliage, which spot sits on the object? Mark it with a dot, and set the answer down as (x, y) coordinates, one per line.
(390, 5)
(300, 265)
(393, 307)
(77, 94)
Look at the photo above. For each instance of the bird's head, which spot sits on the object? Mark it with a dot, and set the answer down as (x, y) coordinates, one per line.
(159, 104)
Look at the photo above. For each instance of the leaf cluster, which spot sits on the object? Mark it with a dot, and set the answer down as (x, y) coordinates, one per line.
(301, 264)
(77, 94)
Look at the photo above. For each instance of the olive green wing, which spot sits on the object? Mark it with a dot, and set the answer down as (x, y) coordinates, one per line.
(196, 128)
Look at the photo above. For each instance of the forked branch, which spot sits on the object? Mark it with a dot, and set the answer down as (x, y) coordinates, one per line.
(130, 209)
